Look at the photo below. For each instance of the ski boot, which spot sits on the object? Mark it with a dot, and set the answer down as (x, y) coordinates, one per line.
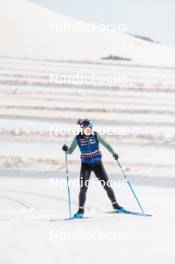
(79, 214)
(118, 208)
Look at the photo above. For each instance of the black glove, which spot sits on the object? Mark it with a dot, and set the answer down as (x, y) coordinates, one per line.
(65, 147)
(116, 156)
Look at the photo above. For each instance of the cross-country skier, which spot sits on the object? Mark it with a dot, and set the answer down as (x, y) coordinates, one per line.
(91, 160)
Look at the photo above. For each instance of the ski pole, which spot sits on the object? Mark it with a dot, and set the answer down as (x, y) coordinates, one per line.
(128, 182)
(68, 187)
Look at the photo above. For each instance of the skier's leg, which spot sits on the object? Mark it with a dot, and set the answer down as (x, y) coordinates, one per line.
(101, 174)
(85, 173)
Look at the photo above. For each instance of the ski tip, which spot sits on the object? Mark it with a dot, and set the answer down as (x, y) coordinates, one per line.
(130, 213)
(149, 215)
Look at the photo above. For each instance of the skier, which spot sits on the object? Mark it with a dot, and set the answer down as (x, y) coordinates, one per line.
(91, 160)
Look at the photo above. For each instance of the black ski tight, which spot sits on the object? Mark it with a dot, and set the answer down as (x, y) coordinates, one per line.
(100, 173)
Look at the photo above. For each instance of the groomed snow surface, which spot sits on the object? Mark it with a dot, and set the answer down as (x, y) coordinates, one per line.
(28, 236)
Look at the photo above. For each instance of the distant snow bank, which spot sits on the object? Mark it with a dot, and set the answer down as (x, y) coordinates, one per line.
(30, 30)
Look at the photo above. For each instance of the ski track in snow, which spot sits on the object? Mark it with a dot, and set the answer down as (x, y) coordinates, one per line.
(30, 227)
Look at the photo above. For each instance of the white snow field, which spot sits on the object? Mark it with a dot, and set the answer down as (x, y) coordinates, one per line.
(29, 30)
(136, 110)
(27, 235)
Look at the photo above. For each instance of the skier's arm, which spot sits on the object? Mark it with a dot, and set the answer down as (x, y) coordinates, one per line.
(105, 144)
(72, 146)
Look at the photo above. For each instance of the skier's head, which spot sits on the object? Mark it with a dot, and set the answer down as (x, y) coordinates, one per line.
(86, 126)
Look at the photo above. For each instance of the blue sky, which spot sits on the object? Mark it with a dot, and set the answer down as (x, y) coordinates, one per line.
(151, 18)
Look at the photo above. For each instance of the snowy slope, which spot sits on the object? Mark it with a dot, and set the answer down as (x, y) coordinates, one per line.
(143, 108)
(26, 31)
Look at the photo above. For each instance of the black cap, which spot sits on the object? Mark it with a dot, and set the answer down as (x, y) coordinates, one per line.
(84, 123)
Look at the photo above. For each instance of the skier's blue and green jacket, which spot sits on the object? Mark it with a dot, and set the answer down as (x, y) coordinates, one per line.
(89, 147)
